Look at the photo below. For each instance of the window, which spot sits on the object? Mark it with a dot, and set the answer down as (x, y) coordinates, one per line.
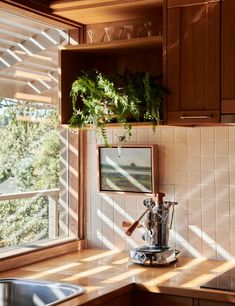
(35, 152)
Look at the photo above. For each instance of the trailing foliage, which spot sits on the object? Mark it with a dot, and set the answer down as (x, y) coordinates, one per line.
(126, 98)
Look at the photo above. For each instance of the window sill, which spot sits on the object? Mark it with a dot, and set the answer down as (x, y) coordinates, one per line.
(17, 257)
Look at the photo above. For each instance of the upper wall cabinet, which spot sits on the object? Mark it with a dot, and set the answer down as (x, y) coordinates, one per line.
(228, 56)
(137, 54)
(192, 63)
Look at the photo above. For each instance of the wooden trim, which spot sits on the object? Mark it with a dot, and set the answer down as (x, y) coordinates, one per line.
(38, 11)
(228, 106)
(65, 5)
(82, 184)
(142, 42)
(11, 260)
(178, 3)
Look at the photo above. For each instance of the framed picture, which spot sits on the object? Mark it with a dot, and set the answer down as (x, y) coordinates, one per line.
(128, 169)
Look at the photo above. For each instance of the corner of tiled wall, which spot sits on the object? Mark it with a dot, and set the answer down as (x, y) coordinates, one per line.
(196, 169)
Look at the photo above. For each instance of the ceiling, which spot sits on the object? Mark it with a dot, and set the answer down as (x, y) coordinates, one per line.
(29, 59)
(97, 11)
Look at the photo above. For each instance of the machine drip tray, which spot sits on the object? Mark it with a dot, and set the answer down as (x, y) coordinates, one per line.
(153, 256)
(225, 281)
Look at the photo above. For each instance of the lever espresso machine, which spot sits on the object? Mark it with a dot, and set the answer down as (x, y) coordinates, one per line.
(157, 222)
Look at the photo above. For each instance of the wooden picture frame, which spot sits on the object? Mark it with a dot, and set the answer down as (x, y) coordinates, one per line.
(128, 169)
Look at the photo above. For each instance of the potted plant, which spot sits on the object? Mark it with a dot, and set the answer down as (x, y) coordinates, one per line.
(124, 99)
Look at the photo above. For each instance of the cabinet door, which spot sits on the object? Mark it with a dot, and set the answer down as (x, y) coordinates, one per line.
(212, 303)
(140, 298)
(228, 56)
(193, 63)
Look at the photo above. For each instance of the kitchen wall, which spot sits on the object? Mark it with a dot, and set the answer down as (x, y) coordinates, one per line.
(196, 169)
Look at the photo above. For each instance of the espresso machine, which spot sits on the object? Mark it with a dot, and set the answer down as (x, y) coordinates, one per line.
(157, 222)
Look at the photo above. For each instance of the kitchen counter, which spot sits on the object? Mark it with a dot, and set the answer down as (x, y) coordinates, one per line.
(104, 272)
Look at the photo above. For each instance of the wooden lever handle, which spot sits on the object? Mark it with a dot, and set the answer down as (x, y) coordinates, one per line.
(131, 229)
(128, 224)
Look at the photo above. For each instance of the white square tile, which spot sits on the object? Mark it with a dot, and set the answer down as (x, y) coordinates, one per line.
(222, 207)
(142, 135)
(167, 134)
(223, 237)
(208, 221)
(207, 148)
(167, 163)
(232, 223)
(180, 134)
(221, 162)
(207, 134)
(208, 192)
(194, 134)
(181, 162)
(232, 207)
(209, 251)
(167, 149)
(194, 192)
(209, 207)
(232, 163)
(209, 236)
(232, 148)
(221, 177)
(222, 222)
(194, 177)
(223, 252)
(155, 137)
(232, 177)
(181, 177)
(208, 177)
(195, 206)
(167, 177)
(207, 162)
(195, 219)
(231, 133)
(181, 148)
(181, 191)
(194, 163)
(194, 148)
(221, 148)
(222, 192)
(221, 133)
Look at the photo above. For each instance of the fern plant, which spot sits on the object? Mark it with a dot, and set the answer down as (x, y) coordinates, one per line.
(129, 97)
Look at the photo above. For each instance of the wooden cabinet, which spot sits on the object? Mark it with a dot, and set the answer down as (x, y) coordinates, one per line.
(212, 303)
(228, 56)
(137, 54)
(192, 63)
(140, 298)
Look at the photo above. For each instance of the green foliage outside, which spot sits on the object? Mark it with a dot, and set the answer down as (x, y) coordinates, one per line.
(29, 153)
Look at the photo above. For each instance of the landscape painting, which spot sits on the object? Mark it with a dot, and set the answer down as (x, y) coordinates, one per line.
(126, 169)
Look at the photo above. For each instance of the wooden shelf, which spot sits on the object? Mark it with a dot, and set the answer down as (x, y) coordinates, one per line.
(112, 125)
(137, 54)
(139, 43)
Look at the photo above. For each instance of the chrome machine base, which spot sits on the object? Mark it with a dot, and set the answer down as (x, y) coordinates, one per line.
(153, 256)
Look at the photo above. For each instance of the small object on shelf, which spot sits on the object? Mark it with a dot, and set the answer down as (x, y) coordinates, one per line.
(90, 35)
(127, 32)
(108, 34)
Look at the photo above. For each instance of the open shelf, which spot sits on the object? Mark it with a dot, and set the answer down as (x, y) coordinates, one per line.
(137, 54)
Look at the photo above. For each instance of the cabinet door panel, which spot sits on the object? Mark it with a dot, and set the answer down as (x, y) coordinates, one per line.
(228, 49)
(193, 58)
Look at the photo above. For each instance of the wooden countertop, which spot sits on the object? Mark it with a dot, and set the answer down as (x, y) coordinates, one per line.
(102, 272)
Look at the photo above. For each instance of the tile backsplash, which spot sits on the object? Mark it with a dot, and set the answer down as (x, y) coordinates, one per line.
(196, 169)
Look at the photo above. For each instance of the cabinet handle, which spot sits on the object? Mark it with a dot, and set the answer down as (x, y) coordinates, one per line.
(196, 117)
